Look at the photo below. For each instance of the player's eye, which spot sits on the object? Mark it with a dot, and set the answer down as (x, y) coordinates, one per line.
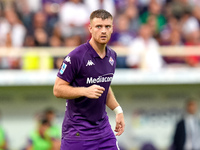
(108, 26)
(98, 26)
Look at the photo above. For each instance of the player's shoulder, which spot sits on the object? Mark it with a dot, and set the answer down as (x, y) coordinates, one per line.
(111, 51)
(78, 53)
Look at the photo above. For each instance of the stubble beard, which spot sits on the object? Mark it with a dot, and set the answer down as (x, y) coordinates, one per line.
(105, 41)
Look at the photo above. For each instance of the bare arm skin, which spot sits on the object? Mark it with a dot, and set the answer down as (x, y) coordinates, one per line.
(63, 89)
(112, 104)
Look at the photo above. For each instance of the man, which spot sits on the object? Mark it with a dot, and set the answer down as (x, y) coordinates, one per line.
(187, 132)
(39, 139)
(54, 130)
(144, 51)
(84, 80)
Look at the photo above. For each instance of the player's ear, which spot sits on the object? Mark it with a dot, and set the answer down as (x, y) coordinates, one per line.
(112, 29)
(90, 28)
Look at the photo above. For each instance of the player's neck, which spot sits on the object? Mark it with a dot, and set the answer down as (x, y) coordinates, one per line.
(99, 48)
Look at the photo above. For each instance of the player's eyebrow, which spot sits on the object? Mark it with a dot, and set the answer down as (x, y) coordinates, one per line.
(98, 25)
(106, 25)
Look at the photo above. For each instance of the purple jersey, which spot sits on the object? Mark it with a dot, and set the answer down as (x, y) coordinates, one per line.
(86, 119)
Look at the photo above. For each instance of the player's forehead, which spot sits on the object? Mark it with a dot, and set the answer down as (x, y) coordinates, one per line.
(107, 21)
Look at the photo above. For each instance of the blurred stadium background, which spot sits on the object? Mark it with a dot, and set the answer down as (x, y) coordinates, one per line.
(36, 35)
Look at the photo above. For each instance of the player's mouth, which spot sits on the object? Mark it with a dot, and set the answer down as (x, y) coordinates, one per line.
(103, 37)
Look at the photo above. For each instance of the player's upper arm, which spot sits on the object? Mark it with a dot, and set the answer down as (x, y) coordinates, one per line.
(58, 85)
(60, 81)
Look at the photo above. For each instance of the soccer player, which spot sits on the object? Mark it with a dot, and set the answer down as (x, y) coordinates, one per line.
(84, 80)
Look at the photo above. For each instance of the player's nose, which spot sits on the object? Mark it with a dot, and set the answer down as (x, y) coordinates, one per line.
(103, 30)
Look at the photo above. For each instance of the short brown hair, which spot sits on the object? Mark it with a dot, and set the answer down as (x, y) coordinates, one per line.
(100, 13)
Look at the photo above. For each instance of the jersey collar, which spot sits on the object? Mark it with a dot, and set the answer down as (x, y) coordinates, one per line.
(94, 53)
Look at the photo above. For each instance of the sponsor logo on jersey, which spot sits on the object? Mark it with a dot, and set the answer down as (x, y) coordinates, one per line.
(90, 63)
(111, 61)
(67, 59)
(103, 78)
(63, 67)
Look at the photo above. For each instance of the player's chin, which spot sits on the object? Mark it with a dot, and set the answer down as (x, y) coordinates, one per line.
(103, 41)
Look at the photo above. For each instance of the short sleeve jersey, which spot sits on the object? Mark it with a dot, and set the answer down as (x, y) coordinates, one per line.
(86, 118)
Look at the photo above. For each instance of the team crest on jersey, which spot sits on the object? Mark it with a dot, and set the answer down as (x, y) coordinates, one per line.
(63, 67)
(67, 59)
(111, 61)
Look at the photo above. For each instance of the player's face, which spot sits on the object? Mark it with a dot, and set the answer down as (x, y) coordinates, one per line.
(101, 30)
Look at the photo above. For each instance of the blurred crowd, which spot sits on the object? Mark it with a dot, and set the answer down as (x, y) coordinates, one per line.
(45, 136)
(147, 24)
